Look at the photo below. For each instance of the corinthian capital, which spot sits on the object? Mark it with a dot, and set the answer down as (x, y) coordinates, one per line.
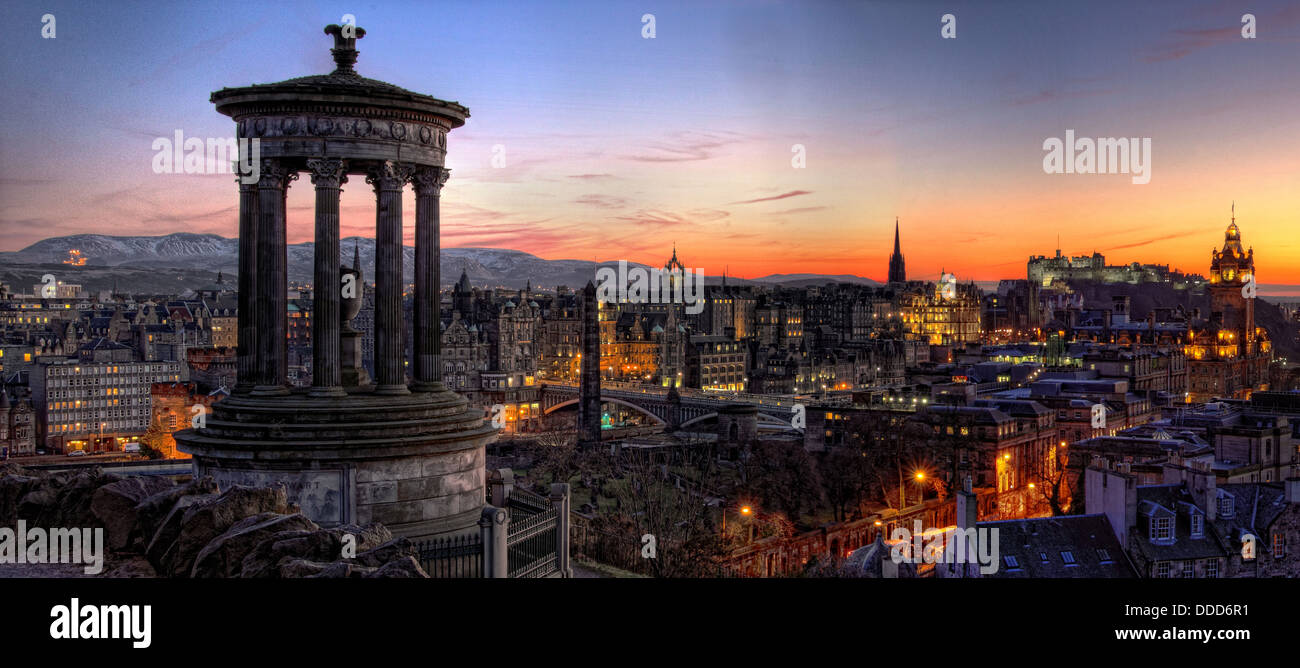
(327, 172)
(389, 175)
(275, 174)
(429, 180)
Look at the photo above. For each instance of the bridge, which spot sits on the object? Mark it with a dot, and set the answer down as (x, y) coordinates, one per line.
(695, 406)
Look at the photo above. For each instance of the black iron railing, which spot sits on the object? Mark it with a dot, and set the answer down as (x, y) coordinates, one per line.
(531, 545)
(526, 503)
(452, 556)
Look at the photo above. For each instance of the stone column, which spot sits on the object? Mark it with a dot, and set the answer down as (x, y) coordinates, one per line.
(271, 365)
(388, 179)
(249, 345)
(328, 175)
(427, 348)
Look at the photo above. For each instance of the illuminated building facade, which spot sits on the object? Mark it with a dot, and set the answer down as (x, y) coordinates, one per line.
(97, 404)
(942, 314)
(1228, 356)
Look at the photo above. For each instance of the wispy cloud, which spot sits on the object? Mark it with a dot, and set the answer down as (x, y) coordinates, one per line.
(602, 201)
(798, 210)
(1145, 242)
(664, 219)
(1186, 42)
(784, 195)
(687, 146)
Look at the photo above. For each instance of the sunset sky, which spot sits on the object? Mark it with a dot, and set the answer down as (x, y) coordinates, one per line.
(618, 146)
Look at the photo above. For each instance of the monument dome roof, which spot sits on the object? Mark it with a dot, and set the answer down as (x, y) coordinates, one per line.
(338, 90)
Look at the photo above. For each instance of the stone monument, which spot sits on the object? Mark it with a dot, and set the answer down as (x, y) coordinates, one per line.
(407, 454)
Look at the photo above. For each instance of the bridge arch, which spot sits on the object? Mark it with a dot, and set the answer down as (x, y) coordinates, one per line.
(640, 409)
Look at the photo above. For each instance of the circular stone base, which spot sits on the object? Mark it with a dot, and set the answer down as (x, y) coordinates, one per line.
(413, 462)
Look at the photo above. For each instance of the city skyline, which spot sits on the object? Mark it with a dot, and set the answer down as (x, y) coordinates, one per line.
(243, 360)
(605, 162)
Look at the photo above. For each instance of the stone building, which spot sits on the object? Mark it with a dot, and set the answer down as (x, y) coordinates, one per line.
(1191, 527)
(1047, 271)
(716, 363)
(175, 406)
(1228, 356)
(561, 339)
(942, 314)
(98, 402)
(17, 426)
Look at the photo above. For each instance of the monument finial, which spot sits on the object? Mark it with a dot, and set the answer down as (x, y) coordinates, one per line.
(345, 46)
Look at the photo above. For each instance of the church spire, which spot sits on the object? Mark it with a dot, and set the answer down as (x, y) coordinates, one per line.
(897, 268)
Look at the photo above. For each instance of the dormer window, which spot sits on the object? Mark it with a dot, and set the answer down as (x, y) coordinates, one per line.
(1198, 525)
(1225, 506)
(1162, 528)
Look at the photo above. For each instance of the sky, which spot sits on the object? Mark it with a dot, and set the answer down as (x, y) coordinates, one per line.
(617, 146)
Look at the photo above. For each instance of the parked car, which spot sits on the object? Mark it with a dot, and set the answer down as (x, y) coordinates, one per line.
(77, 453)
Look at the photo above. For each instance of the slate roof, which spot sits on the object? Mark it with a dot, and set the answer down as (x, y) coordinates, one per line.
(1155, 500)
(102, 343)
(1255, 506)
(1087, 540)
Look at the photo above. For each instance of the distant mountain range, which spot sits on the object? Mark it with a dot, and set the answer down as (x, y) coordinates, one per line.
(193, 260)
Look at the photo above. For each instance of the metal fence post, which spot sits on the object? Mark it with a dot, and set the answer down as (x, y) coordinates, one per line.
(494, 527)
(561, 501)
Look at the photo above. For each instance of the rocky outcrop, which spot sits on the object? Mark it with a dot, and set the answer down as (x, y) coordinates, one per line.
(205, 520)
(223, 557)
(406, 567)
(114, 505)
(271, 557)
(63, 499)
(151, 512)
(154, 527)
(169, 529)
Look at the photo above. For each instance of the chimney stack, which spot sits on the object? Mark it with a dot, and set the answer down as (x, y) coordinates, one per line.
(1112, 493)
(967, 506)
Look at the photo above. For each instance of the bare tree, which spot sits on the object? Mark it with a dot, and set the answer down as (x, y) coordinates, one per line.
(671, 512)
(846, 474)
(1052, 482)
